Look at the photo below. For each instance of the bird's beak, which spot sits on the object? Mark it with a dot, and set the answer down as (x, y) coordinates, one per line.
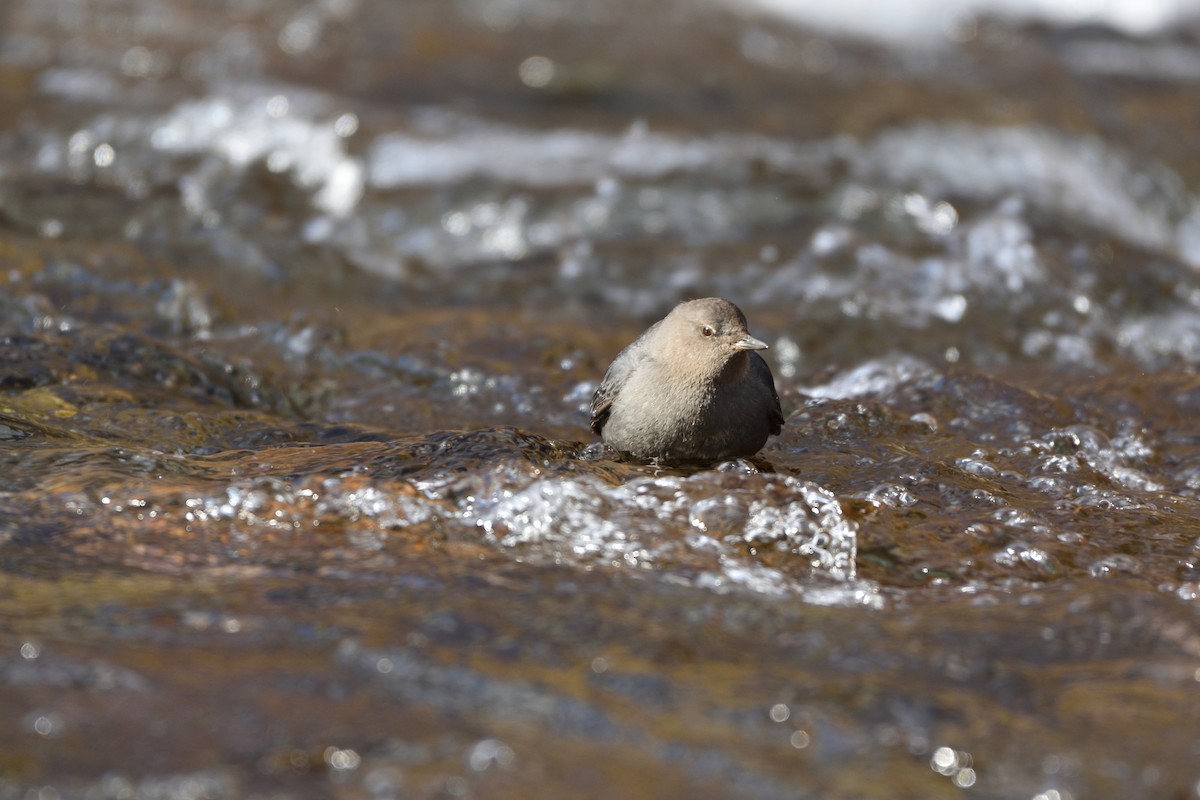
(748, 342)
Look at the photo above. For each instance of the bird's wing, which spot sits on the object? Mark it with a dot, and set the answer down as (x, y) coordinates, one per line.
(616, 378)
(763, 373)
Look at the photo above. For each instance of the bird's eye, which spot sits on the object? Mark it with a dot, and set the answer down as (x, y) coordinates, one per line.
(708, 331)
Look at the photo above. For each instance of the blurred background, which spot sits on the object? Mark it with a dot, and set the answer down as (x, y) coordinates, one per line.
(302, 305)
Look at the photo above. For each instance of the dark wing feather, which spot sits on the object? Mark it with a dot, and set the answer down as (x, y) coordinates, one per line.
(763, 373)
(615, 379)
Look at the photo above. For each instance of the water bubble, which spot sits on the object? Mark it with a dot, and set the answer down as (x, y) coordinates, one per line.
(346, 125)
(277, 106)
(103, 155)
(1114, 564)
(501, 15)
(136, 62)
(536, 72)
(46, 723)
(759, 45)
(300, 35)
(965, 778)
(944, 760)
(488, 752)
(952, 308)
(787, 356)
(80, 142)
(342, 760)
(942, 218)
(829, 239)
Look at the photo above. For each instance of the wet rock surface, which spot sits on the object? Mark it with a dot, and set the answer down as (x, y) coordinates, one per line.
(302, 307)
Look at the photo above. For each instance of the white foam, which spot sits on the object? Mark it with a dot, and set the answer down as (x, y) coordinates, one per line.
(922, 22)
(245, 131)
(458, 150)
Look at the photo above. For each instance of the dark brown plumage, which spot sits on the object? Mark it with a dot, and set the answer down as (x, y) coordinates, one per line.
(689, 389)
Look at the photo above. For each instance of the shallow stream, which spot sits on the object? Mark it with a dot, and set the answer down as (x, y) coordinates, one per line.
(302, 305)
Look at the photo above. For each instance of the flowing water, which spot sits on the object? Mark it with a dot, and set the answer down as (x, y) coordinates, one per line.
(302, 306)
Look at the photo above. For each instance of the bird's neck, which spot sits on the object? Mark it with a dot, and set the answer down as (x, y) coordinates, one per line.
(732, 371)
(735, 368)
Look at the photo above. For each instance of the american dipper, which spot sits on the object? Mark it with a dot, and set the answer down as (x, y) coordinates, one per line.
(689, 389)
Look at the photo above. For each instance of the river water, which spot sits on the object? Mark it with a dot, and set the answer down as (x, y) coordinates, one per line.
(302, 305)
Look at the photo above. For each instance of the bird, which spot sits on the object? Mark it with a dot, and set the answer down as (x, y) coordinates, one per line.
(690, 389)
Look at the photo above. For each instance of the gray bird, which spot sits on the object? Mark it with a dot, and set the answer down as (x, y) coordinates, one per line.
(689, 389)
